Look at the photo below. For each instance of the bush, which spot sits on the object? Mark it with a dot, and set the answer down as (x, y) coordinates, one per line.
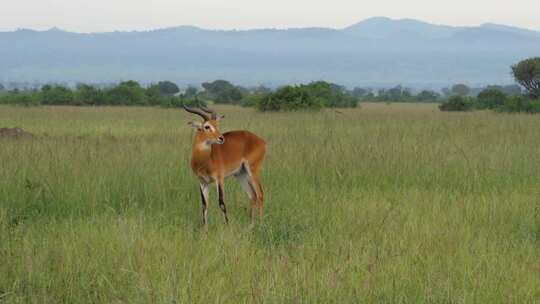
(491, 98)
(289, 98)
(312, 96)
(533, 106)
(126, 93)
(516, 104)
(331, 95)
(252, 100)
(395, 94)
(88, 95)
(56, 95)
(427, 96)
(458, 103)
(23, 99)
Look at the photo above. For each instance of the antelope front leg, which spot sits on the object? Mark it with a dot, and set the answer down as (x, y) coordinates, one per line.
(204, 200)
(221, 199)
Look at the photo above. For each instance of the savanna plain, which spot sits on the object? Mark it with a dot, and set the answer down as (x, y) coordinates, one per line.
(386, 203)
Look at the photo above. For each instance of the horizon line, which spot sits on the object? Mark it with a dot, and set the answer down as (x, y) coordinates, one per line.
(56, 28)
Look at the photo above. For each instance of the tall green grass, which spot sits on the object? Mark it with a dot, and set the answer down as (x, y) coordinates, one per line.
(385, 203)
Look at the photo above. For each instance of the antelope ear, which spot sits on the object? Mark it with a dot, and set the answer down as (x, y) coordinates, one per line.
(196, 125)
(220, 117)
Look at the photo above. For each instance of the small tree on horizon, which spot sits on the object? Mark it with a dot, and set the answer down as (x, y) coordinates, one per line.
(168, 88)
(527, 74)
(461, 89)
(222, 91)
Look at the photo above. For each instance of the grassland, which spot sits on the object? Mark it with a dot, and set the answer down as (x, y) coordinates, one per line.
(386, 203)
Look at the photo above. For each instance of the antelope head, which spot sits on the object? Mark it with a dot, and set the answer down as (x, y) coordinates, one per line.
(208, 130)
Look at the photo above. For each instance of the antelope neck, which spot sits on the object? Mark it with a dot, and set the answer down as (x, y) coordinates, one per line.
(201, 156)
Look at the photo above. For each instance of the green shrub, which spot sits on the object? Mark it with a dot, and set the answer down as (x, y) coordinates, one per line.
(289, 98)
(89, 95)
(56, 95)
(534, 106)
(458, 103)
(331, 95)
(427, 96)
(491, 98)
(516, 104)
(126, 93)
(252, 100)
(21, 98)
(395, 94)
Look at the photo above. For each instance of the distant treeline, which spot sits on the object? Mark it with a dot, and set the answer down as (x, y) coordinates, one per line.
(315, 95)
(492, 99)
(129, 93)
(312, 96)
(526, 73)
(404, 94)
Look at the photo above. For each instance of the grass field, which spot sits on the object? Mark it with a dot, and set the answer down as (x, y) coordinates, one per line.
(393, 203)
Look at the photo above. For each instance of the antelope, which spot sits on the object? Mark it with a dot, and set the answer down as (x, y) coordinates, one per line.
(216, 156)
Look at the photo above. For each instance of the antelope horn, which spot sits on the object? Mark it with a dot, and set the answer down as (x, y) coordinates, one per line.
(210, 111)
(197, 111)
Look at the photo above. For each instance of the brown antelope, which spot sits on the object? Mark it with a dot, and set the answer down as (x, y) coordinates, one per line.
(216, 156)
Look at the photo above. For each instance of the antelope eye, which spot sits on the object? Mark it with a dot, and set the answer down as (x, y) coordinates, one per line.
(207, 127)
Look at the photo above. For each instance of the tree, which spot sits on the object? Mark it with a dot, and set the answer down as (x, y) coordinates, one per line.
(527, 74)
(89, 95)
(512, 89)
(191, 92)
(397, 93)
(168, 88)
(446, 92)
(359, 92)
(394, 94)
(126, 93)
(56, 95)
(406, 94)
(223, 91)
(491, 98)
(461, 89)
(1, 87)
(330, 94)
(153, 93)
(427, 95)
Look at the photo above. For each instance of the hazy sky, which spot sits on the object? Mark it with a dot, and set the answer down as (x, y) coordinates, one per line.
(109, 15)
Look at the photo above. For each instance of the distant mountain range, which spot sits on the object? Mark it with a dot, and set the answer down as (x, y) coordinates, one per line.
(374, 52)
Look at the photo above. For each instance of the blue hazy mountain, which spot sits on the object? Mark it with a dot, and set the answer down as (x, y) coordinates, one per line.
(376, 51)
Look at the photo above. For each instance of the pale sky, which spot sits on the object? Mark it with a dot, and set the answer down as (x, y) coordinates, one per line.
(126, 15)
